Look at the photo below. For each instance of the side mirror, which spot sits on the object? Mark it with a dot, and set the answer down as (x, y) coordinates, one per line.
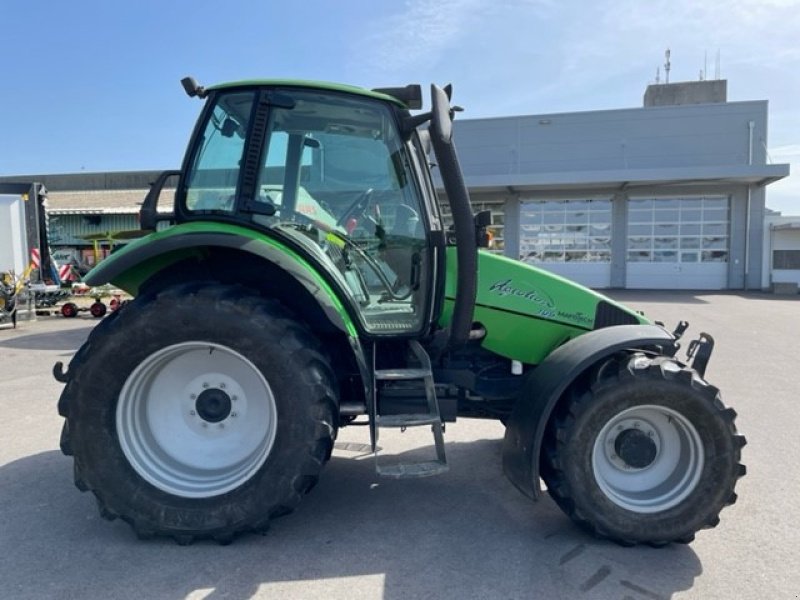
(229, 127)
(148, 214)
(442, 121)
(482, 220)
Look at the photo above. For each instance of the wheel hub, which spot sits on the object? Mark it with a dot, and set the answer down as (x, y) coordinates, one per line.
(636, 448)
(632, 444)
(196, 419)
(213, 405)
(647, 458)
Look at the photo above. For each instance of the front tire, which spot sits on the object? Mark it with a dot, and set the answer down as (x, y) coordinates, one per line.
(199, 412)
(643, 451)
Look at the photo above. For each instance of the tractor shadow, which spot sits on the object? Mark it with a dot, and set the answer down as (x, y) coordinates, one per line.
(465, 534)
(62, 339)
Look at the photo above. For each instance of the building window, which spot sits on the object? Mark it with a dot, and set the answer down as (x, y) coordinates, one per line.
(786, 259)
(566, 231)
(678, 230)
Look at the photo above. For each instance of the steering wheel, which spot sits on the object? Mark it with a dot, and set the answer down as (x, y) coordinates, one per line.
(357, 208)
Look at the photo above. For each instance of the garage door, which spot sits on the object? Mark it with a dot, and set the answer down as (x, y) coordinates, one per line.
(569, 237)
(678, 243)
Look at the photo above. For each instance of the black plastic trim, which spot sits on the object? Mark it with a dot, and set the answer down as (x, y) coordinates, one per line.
(609, 315)
(458, 195)
(148, 213)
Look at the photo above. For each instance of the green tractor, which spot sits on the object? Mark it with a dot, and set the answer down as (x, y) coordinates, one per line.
(305, 281)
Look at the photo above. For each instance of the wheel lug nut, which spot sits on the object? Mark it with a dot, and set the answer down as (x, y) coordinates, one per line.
(205, 424)
(222, 425)
(193, 413)
(222, 386)
(193, 396)
(234, 398)
(205, 385)
(233, 414)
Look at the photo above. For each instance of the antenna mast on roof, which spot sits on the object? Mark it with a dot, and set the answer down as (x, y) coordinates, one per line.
(666, 66)
(716, 69)
(658, 75)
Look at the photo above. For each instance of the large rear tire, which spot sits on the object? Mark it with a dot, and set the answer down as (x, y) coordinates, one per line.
(201, 411)
(643, 451)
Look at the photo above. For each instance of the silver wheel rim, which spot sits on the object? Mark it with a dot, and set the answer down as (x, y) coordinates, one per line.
(663, 483)
(196, 419)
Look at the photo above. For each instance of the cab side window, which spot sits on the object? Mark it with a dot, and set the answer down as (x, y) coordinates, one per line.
(214, 174)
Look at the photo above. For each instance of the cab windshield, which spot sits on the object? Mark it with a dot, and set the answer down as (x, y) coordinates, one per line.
(335, 176)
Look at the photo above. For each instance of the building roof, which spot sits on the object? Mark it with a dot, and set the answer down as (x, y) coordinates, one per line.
(628, 178)
(782, 226)
(103, 201)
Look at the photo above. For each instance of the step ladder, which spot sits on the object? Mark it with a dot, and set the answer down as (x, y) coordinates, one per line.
(428, 415)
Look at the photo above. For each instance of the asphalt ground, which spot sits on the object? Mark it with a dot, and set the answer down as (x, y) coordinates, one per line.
(465, 534)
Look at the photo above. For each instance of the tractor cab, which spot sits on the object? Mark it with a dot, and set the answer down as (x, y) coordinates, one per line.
(335, 174)
(338, 173)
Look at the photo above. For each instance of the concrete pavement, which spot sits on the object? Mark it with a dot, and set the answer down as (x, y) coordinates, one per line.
(465, 534)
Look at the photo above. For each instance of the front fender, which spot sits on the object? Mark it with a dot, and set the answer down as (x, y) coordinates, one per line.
(540, 394)
(137, 262)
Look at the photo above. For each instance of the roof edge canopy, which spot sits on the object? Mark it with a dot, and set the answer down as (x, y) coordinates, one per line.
(628, 178)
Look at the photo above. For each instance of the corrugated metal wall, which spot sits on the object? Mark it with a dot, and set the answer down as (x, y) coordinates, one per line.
(66, 230)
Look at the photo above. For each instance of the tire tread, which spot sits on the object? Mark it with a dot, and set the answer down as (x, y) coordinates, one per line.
(299, 342)
(617, 371)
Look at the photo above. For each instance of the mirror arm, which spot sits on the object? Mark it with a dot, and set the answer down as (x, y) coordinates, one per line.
(410, 123)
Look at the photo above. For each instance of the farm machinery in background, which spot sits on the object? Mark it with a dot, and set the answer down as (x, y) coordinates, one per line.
(71, 275)
(30, 278)
(25, 261)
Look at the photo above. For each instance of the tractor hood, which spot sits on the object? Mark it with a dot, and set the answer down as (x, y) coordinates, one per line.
(527, 311)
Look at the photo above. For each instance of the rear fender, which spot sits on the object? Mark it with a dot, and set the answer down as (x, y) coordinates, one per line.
(132, 266)
(546, 385)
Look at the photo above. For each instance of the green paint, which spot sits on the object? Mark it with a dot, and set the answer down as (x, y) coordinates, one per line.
(527, 311)
(131, 279)
(299, 83)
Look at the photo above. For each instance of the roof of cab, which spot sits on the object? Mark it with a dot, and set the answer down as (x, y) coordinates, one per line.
(299, 83)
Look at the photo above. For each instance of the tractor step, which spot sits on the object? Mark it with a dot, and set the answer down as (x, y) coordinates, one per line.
(428, 415)
(413, 470)
(400, 374)
(407, 420)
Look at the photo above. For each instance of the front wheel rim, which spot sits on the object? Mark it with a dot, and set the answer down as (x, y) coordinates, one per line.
(665, 470)
(196, 419)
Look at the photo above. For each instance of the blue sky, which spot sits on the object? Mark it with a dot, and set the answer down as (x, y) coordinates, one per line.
(94, 85)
